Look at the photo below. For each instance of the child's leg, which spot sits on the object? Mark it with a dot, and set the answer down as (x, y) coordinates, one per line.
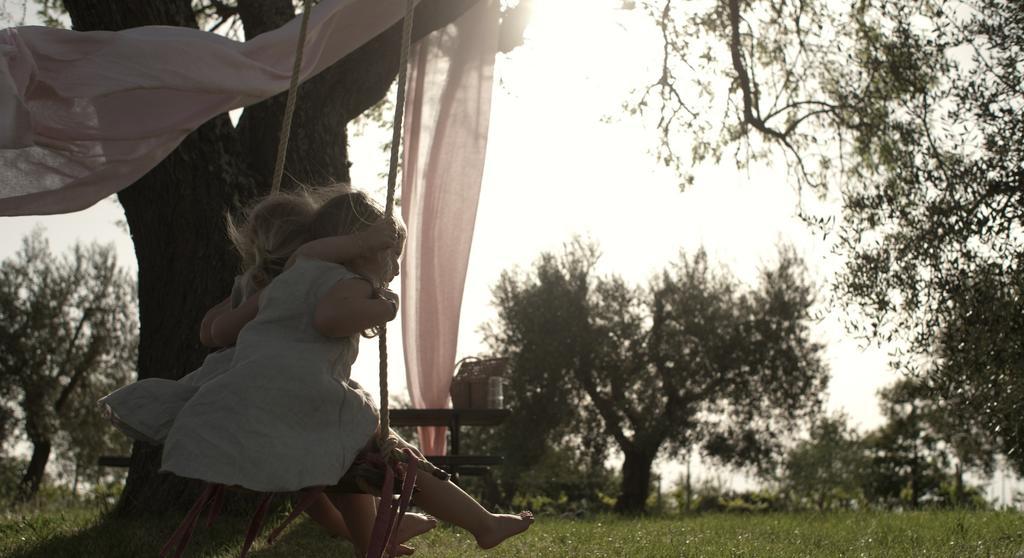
(448, 502)
(413, 525)
(324, 512)
(359, 511)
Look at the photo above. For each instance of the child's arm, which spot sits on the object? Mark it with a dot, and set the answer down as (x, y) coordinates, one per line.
(205, 337)
(224, 330)
(340, 249)
(352, 306)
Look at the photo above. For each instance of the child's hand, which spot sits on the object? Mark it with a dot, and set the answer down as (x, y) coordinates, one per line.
(382, 235)
(415, 451)
(387, 294)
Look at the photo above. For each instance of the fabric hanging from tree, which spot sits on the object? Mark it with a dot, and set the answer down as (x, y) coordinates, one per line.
(447, 118)
(84, 115)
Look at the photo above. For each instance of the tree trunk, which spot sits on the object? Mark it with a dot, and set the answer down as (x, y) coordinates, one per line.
(36, 469)
(960, 498)
(495, 493)
(689, 487)
(176, 217)
(914, 482)
(636, 482)
(175, 213)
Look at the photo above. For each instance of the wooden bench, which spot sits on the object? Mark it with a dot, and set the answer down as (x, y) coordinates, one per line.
(114, 461)
(466, 464)
(455, 462)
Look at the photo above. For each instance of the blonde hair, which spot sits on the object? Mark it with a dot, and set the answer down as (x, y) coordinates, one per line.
(345, 213)
(269, 231)
(348, 212)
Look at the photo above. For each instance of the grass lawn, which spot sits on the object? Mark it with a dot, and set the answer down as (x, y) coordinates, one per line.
(954, 534)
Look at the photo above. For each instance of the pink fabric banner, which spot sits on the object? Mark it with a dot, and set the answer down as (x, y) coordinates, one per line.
(84, 115)
(447, 116)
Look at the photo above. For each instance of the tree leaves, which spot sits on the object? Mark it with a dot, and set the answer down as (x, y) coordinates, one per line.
(692, 359)
(68, 335)
(912, 112)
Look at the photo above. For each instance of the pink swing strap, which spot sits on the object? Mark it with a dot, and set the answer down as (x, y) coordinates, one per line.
(304, 502)
(381, 525)
(218, 502)
(382, 541)
(181, 536)
(256, 523)
(409, 483)
(391, 510)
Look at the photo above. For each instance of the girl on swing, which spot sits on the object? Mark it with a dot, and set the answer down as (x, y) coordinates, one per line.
(271, 232)
(285, 417)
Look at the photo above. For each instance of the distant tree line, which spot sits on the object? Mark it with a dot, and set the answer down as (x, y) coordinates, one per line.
(68, 336)
(917, 458)
(694, 361)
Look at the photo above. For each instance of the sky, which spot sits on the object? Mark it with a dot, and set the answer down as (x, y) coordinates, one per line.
(563, 160)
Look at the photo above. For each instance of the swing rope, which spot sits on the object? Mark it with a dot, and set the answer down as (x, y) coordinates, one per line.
(396, 140)
(289, 108)
(387, 443)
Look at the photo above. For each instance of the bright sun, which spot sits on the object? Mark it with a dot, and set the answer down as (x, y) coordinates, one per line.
(567, 24)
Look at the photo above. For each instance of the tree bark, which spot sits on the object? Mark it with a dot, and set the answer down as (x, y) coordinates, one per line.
(636, 482)
(495, 493)
(175, 213)
(176, 217)
(914, 483)
(960, 498)
(36, 468)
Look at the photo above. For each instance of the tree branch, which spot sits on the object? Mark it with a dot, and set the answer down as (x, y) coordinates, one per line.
(796, 104)
(751, 108)
(619, 397)
(318, 146)
(74, 337)
(260, 16)
(89, 15)
(743, 77)
(88, 359)
(604, 407)
(218, 9)
(672, 414)
(513, 23)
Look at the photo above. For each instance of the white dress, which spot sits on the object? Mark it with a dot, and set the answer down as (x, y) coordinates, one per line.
(284, 416)
(145, 410)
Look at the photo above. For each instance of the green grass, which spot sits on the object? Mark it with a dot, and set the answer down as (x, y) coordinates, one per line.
(76, 533)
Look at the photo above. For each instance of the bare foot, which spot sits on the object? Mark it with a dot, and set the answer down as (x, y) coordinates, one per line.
(502, 527)
(413, 525)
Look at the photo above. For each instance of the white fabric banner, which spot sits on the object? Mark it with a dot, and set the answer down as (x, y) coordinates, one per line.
(84, 115)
